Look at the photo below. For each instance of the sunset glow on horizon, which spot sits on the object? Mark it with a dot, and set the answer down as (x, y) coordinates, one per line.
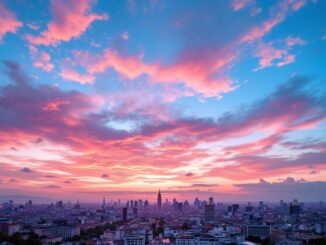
(119, 99)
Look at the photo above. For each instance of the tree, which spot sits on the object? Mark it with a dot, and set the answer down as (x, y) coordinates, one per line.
(16, 239)
(255, 239)
(33, 239)
(185, 226)
(4, 237)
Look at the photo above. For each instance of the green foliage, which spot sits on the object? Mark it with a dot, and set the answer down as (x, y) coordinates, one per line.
(95, 232)
(186, 226)
(4, 237)
(257, 239)
(161, 222)
(17, 239)
(318, 241)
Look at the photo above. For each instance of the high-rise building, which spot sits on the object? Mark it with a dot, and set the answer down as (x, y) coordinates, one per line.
(124, 214)
(234, 208)
(197, 203)
(59, 204)
(146, 203)
(135, 211)
(209, 211)
(159, 199)
(104, 203)
(77, 205)
(295, 208)
(175, 204)
(180, 207)
(249, 208)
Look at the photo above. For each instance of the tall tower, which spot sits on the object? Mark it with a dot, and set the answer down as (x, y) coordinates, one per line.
(104, 203)
(159, 200)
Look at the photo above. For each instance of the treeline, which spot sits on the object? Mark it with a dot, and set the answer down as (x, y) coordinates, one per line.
(17, 239)
(95, 232)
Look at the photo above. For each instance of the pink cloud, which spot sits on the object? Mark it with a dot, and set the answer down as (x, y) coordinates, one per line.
(256, 147)
(287, 60)
(292, 41)
(298, 4)
(33, 26)
(268, 54)
(129, 67)
(193, 69)
(157, 147)
(125, 36)
(260, 31)
(41, 59)
(8, 22)
(278, 15)
(55, 105)
(70, 20)
(201, 71)
(238, 5)
(71, 75)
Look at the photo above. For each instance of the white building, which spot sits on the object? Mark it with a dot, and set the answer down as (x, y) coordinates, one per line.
(262, 231)
(134, 240)
(185, 240)
(208, 240)
(63, 231)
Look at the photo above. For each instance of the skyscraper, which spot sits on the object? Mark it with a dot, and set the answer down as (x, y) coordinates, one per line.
(159, 200)
(124, 214)
(209, 211)
(104, 203)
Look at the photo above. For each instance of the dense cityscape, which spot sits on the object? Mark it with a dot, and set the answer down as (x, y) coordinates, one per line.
(164, 222)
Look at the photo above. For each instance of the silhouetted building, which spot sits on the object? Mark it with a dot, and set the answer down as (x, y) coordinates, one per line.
(146, 203)
(77, 205)
(209, 211)
(59, 204)
(159, 199)
(124, 214)
(294, 209)
(135, 211)
(180, 207)
(233, 208)
(249, 208)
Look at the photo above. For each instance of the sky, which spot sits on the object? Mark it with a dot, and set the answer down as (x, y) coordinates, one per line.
(119, 99)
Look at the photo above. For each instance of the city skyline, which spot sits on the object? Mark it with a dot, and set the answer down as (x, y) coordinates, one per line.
(121, 99)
